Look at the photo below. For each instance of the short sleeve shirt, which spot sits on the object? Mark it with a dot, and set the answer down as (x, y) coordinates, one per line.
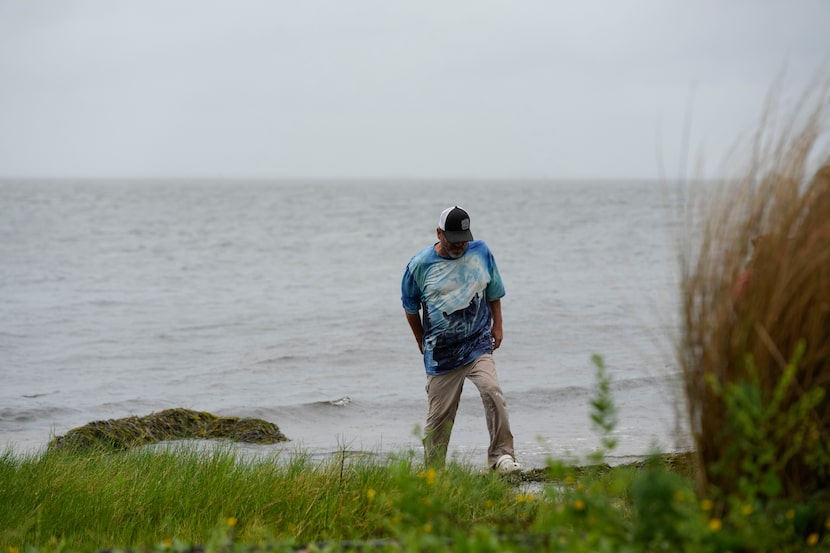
(454, 295)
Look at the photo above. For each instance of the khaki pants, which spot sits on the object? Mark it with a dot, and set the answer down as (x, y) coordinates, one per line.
(444, 393)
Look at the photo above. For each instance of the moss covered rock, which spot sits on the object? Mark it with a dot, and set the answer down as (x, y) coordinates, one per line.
(167, 425)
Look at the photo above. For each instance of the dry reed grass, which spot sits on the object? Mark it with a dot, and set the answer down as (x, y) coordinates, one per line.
(755, 283)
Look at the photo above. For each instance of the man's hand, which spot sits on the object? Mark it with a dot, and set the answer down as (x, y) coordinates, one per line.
(496, 330)
(498, 335)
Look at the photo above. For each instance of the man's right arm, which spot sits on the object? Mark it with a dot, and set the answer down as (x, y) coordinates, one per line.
(414, 320)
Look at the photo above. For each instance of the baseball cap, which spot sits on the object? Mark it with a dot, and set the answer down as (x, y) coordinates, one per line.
(455, 224)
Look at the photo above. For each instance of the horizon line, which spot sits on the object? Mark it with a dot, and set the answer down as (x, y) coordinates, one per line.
(311, 179)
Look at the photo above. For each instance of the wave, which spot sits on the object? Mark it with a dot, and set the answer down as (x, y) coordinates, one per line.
(18, 416)
(340, 402)
(578, 391)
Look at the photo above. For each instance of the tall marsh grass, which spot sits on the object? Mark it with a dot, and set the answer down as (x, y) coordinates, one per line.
(755, 347)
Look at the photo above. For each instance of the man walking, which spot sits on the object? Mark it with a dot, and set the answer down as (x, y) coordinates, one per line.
(457, 285)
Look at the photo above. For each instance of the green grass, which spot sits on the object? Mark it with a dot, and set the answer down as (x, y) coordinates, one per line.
(168, 500)
(87, 501)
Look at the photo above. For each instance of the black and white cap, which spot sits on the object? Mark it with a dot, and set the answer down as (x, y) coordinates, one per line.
(455, 224)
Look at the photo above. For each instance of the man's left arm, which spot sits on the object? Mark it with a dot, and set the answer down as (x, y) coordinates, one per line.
(498, 333)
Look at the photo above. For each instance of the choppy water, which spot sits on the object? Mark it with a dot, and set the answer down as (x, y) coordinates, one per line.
(281, 300)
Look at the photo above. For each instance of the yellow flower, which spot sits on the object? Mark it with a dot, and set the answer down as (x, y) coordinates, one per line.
(13, 549)
(427, 528)
(569, 480)
(790, 514)
(231, 521)
(579, 505)
(370, 494)
(167, 542)
(812, 539)
(715, 524)
(524, 498)
(746, 509)
(428, 476)
(489, 504)
(706, 505)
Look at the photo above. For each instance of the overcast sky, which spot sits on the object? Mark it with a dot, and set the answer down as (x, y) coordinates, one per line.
(392, 88)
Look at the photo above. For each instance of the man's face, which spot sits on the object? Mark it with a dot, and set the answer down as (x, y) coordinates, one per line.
(453, 250)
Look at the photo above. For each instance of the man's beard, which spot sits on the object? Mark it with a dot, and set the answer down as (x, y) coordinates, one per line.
(453, 255)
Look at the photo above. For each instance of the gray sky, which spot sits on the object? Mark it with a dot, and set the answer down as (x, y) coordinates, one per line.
(393, 88)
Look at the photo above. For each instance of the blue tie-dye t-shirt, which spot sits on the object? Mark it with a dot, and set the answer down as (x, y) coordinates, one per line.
(454, 295)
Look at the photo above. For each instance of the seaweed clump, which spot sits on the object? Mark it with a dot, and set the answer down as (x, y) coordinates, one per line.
(167, 425)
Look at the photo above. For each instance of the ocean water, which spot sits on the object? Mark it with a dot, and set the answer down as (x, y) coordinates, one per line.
(281, 300)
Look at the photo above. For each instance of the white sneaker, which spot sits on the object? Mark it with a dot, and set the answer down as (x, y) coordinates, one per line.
(507, 464)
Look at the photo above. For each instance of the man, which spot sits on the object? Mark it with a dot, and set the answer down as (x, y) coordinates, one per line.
(458, 286)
